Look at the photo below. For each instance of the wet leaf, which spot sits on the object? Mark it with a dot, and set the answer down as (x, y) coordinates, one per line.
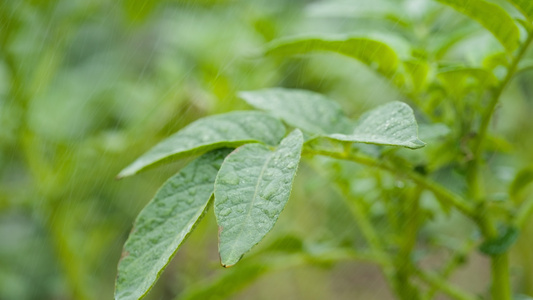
(218, 131)
(309, 111)
(251, 190)
(492, 17)
(391, 124)
(371, 52)
(164, 223)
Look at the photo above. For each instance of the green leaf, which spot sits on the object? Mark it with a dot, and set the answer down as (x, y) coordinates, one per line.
(418, 71)
(521, 180)
(227, 284)
(164, 223)
(459, 80)
(492, 17)
(500, 244)
(251, 190)
(391, 124)
(370, 52)
(218, 131)
(525, 6)
(309, 111)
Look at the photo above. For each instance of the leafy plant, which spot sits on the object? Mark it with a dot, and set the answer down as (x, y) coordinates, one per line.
(247, 162)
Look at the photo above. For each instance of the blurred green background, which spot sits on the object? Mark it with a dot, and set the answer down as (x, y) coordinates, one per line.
(86, 86)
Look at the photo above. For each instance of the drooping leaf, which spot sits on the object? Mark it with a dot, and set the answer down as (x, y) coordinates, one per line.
(371, 52)
(218, 131)
(391, 124)
(251, 190)
(303, 109)
(164, 223)
(492, 17)
(525, 6)
(500, 244)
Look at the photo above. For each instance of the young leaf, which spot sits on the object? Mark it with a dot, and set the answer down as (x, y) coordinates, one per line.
(218, 131)
(391, 124)
(502, 243)
(492, 17)
(303, 109)
(525, 6)
(164, 223)
(251, 190)
(368, 51)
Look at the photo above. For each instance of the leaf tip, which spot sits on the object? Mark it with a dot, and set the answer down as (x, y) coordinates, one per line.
(417, 144)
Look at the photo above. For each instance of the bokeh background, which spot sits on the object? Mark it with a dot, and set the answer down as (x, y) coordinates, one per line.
(86, 86)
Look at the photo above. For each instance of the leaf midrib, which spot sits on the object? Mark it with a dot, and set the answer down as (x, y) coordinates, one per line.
(250, 206)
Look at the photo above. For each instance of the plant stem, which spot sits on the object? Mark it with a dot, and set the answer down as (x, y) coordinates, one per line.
(440, 192)
(450, 266)
(501, 286)
(439, 283)
(487, 115)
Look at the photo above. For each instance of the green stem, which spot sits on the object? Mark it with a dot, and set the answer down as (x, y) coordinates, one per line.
(487, 116)
(441, 284)
(440, 192)
(370, 234)
(501, 286)
(450, 266)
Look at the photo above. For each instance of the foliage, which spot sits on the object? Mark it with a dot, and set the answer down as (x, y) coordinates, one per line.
(389, 132)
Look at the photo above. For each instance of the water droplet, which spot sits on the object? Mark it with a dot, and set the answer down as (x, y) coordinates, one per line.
(225, 212)
(230, 178)
(271, 213)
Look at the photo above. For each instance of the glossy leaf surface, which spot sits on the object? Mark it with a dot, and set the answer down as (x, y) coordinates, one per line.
(251, 190)
(391, 124)
(492, 17)
(370, 52)
(164, 223)
(309, 111)
(218, 131)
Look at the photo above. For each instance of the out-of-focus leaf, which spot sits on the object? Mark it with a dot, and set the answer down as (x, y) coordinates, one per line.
(492, 17)
(521, 180)
(495, 60)
(500, 244)
(391, 124)
(164, 223)
(227, 284)
(371, 52)
(457, 80)
(525, 6)
(303, 109)
(432, 131)
(251, 190)
(418, 71)
(218, 131)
